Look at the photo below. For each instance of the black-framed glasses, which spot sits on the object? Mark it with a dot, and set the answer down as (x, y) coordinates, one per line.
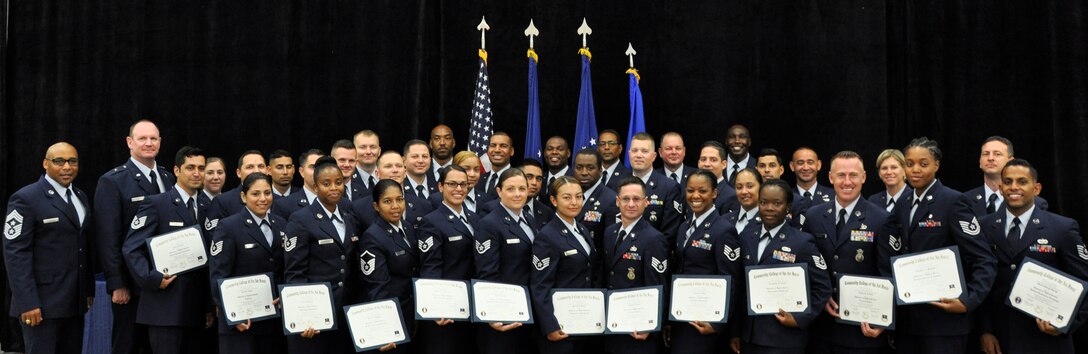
(456, 185)
(59, 162)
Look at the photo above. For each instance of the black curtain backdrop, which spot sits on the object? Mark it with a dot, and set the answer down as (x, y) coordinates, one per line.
(832, 74)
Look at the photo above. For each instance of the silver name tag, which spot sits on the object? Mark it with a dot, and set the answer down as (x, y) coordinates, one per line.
(456, 238)
(398, 253)
(176, 224)
(570, 253)
(511, 241)
(50, 220)
(138, 199)
(325, 241)
(250, 245)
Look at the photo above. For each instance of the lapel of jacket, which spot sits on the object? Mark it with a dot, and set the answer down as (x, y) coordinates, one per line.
(749, 243)
(512, 225)
(682, 234)
(626, 243)
(142, 181)
(454, 221)
(854, 222)
(57, 201)
(996, 236)
(279, 232)
(777, 240)
(585, 236)
(1033, 231)
(923, 207)
(324, 222)
(86, 205)
(182, 210)
(253, 229)
(569, 237)
(394, 237)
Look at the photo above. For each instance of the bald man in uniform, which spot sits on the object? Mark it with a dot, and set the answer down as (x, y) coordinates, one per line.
(47, 231)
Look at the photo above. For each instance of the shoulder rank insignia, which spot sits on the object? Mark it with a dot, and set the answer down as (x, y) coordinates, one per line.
(138, 222)
(425, 246)
(970, 228)
(366, 262)
(482, 247)
(819, 261)
(290, 243)
(217, 247)
(13, 225)
(731, 253)
(540, 264)
(659, 265)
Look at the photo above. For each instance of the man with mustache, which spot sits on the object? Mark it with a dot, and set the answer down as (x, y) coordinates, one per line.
(47, 228)
(557, 160)
(739, 142)
(441, 144)
(806, 166)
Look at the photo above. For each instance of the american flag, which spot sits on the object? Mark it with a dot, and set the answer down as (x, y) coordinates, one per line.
(481, 126)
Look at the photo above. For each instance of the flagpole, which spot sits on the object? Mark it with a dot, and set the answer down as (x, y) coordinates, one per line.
(481, 124)
(585, 131)
(532, 117)
(637, 123)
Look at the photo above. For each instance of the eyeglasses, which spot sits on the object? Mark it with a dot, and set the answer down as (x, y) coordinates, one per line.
(631, 200)
(59, 162)
(456, 185)
(608, 143)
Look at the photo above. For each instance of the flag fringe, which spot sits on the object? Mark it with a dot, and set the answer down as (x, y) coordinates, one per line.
(634, 71)
(483, 55)
(585, 51)
(532, 54)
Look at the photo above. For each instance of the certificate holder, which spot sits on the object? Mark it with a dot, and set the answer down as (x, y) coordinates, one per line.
(703, 298)
(376, 324)
(928, 276)
(634, 309)
(179, 251)
(499, 302)
(436, 299)
(777, 286)
(580, 312)
(247, 297)
(307, 305)
(866, 299)
(1044, 292)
